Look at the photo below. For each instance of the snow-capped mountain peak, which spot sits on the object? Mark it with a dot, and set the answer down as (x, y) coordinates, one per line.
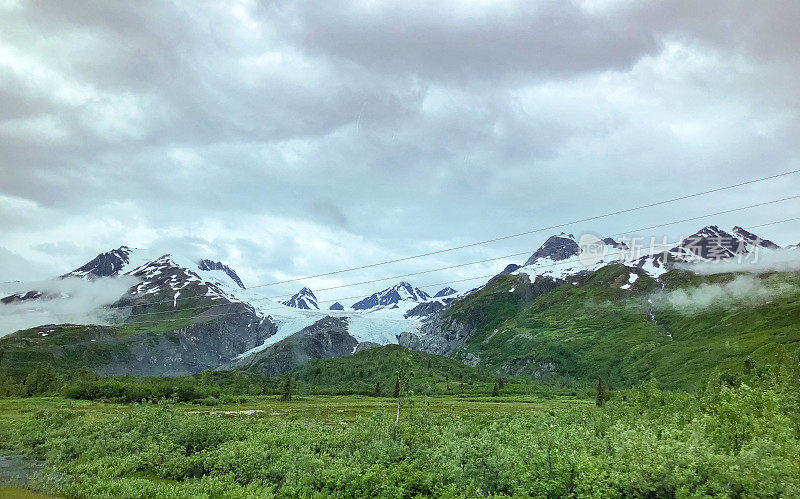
(209, 265)
(749, 237)
(713, 243)
(303, 299)
(167, 273)
(391, 297)
(445, 292)
(104, 265)
(556, 248)
(562, 256)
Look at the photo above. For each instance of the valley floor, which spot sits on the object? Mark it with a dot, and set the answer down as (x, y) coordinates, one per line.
(318, 408)
(644, 442)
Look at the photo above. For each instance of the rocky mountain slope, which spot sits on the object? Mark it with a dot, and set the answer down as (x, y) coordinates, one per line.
(326, 338)
(303, 299)
(391, 297)
(577, 308)
(622, 317)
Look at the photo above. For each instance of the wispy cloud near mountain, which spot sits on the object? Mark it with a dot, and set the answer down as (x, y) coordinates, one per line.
(64, 301)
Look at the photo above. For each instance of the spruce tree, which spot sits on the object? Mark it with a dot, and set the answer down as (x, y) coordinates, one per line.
(378, 389)
(287, 389)
(601, 392)
(500, 384)
(401, 388)
(495, 392)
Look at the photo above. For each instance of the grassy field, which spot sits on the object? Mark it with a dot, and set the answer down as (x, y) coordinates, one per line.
(738, 439)
(18, 415)
(318, 408)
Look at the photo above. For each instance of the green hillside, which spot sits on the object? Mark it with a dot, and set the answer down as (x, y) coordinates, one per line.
(63, 346)
(359, 373)
(592, 328)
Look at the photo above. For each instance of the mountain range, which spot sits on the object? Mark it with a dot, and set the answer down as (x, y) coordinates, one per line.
(181, 316)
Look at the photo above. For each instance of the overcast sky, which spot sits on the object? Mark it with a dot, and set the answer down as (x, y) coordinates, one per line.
(292, 138)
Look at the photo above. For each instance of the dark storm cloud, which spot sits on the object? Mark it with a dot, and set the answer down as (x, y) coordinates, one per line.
(465, 41)
(297, 137)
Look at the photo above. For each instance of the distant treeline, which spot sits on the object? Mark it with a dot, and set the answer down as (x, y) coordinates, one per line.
(368, 374)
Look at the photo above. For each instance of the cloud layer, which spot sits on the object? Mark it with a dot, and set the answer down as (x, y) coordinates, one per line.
(742, 291)
(68, 301)
(291, 138)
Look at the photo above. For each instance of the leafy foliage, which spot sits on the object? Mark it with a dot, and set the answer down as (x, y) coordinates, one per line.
(739, 439)
(595, 328)
(359, 373)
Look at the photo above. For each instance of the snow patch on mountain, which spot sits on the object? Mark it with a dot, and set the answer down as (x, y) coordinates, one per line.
(209, 265)
(562, 256)
(303, 299)
(632, 278)
(402, 295)
(448, 291)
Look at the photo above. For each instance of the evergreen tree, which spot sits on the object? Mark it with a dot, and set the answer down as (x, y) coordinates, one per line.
(495, 392)
(500, 384)
(602, 396)
(397, 388)
(287, 389)
(401, 389)
(41, 380)
(378, 389)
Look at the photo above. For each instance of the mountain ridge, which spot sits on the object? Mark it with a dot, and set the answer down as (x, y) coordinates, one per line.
(177, 296)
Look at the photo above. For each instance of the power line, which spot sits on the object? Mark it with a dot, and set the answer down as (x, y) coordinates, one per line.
(284, 307)
(288, 295)
(756, 205)
(555, 264)
(519, 234)
(487, 241)
(774, 223)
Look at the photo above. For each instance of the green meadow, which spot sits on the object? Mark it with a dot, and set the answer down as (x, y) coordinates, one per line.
(735, 438)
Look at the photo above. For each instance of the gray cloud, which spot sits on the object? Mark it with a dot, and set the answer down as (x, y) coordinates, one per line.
(292, 138)
(783, 260)
(73, 301)
(741, 291)
(459, 42)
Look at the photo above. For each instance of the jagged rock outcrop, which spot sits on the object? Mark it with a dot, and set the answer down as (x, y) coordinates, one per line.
(390, 297)
(442, 333)
(303, 299)
(212, 265)
(556, 248)
(424, 309)
(200, 346)
(409, 340)
(366, 345)
(448, 291)
(104, 265)
(326, 338)
(510, 268)
(30, 295)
